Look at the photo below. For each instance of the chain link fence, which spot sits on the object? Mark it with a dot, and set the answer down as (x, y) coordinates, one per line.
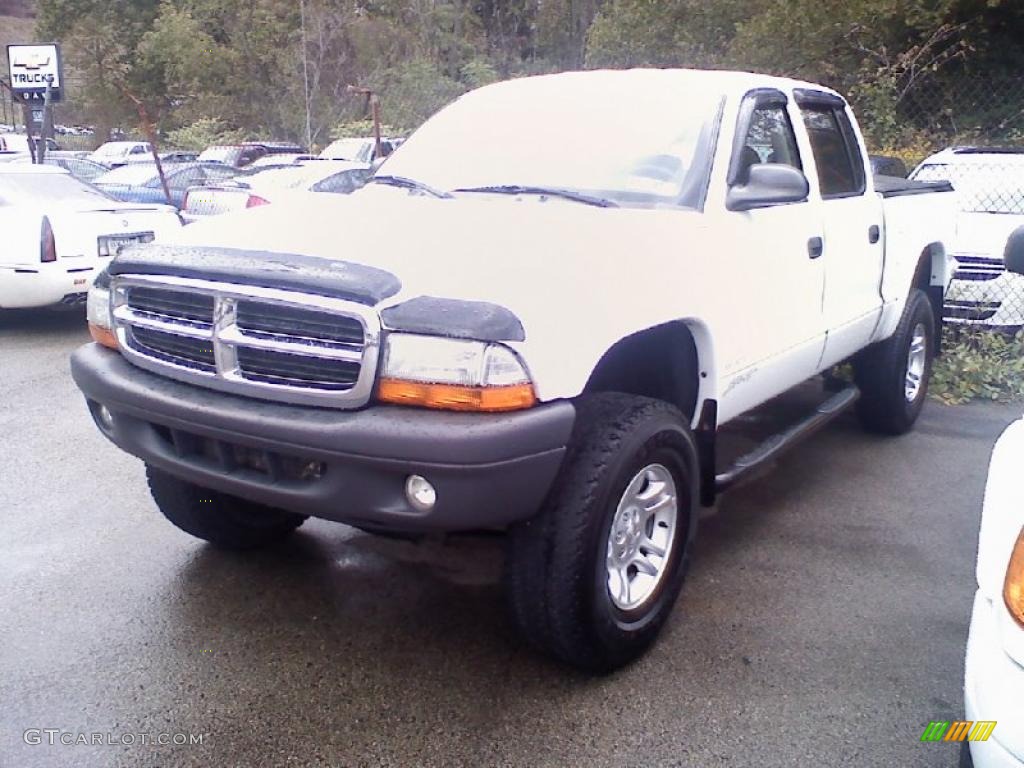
(969, 132)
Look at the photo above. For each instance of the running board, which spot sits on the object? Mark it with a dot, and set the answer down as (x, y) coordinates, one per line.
(776, 444)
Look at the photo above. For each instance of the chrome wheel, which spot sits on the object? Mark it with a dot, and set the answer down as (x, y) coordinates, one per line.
(641, 537)
(917, 358)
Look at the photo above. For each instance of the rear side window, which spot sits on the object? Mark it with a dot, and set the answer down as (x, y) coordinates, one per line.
(840, 168)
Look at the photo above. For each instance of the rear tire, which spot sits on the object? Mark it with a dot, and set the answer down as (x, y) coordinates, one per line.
(225, 521)
(893, 375)
(627, 489)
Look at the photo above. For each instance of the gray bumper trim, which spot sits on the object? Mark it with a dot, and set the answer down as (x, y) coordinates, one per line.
(489, 469)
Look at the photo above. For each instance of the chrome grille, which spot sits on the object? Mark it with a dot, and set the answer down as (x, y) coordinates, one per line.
(268, 343)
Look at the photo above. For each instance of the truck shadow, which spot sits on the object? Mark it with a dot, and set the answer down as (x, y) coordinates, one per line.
(803, 581)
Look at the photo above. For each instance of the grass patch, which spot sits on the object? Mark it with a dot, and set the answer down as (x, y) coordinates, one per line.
(979, 365)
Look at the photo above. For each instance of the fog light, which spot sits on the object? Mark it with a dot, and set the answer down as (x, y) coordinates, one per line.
(105, 417)
(420, 493)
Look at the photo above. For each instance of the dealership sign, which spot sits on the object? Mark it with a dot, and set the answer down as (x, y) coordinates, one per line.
(33, 69)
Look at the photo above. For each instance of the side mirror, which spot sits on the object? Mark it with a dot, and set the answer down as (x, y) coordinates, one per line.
(768, 184)
(1013, 256)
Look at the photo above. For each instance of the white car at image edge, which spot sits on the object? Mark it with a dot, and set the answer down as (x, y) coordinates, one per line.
(989, 185)
(59, 233)
(994, 670)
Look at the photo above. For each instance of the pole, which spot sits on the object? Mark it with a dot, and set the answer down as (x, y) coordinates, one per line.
(305, 78)
(150, 131)
(26, 115)
(374, 102)
(47, 126)
(375, 111)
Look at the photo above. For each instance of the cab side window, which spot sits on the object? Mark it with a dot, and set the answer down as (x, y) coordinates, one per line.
(840, 167)
(769, 139)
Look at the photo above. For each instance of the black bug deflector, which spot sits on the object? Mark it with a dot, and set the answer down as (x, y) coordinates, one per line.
(455, 318)
(266, 269)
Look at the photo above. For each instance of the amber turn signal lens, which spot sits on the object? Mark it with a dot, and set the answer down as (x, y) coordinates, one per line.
(1013, 589)
(103, 336)
(456, 398)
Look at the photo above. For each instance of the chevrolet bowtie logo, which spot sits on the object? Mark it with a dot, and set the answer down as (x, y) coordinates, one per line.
(33, 60)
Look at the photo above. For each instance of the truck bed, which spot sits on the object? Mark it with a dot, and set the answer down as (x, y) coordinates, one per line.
(894, 186)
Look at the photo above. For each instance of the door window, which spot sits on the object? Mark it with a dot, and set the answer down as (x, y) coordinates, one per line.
(769, 139)
(840, 167)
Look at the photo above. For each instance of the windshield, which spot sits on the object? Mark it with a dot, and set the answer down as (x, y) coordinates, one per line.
(47, 188)
(601, 137)
(134, 174)
(981, 187)
(297, 177)
(219, 154)
(114, 149)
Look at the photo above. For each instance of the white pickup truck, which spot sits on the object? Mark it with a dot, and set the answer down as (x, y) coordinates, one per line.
(544, 337)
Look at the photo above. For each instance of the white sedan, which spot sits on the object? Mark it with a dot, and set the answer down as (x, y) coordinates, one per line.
(249, 190)
(994, 672)
(59, 232)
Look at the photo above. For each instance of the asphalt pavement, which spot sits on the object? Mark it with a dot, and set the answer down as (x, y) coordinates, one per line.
(823, 623)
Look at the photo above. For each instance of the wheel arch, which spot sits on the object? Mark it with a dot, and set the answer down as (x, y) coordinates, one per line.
(673, 362)
(932, 275)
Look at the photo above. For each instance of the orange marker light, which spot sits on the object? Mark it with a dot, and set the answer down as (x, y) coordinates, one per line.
(1013, 589)
(456, 398)
(103, 336)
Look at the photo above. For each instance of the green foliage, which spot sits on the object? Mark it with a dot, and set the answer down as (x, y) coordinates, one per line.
(203, 133)
(909, 66)
(979, 365)
(357, 129)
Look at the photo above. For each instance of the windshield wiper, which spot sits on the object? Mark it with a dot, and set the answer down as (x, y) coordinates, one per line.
(403, 183)
(568, 194)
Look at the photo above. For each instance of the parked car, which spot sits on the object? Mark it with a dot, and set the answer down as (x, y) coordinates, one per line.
(19, 143)
(117, 153)
(359, 150)
(994, 668)
(883, 165)
(246, 153)
(544, 337)
(167, 156)
(989, 186)
(79, 167)
(140, 182)
(59, 232)
(272, 184)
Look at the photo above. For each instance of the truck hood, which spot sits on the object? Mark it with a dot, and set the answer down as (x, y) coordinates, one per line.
(519, 253)
(984, 234)
(578, 277)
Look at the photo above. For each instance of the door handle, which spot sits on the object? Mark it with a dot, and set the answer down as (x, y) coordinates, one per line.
(874, 234)
(815, 247)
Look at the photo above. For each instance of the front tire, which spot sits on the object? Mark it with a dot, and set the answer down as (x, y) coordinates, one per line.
(227, 522)
(893, 375)
(592, 579)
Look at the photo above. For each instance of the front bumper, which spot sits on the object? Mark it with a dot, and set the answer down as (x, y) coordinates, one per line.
(993, 686)
(489, 470)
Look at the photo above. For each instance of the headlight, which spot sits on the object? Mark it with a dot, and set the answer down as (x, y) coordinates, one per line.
(97, 312)
(1013, 588)
(454, 374)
